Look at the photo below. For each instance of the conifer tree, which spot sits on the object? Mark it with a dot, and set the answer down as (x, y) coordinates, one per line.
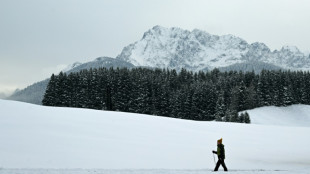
(287, 93)
(234, 116)
(50, 95)
(247, 118)
(220, 107)
(242, 117)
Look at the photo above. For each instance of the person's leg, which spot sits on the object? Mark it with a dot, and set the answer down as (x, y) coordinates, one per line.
(217, 165)
(224, 165)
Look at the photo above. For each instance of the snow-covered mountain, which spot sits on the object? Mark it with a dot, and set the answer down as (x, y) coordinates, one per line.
(198, 50)
(42, 137)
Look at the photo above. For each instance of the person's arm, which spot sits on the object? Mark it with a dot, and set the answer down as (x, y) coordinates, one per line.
(214, 151)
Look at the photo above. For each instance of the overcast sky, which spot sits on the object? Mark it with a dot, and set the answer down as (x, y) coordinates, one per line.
(39, 37)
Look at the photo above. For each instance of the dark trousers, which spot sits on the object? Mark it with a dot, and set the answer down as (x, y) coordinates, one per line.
(220, 162)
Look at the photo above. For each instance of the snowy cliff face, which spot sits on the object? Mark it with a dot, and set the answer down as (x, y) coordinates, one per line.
(198, 50)
(291, 56)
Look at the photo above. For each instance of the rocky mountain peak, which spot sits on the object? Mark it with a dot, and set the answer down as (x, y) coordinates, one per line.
(290, 48)
(198, 50)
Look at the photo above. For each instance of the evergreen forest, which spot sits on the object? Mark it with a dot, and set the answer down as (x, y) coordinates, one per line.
(202, 96)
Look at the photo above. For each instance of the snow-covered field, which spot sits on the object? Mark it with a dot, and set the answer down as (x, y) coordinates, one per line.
(138, 171)
(48, 140)
(295, 115)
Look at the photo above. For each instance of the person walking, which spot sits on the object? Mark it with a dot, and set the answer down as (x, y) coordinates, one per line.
(221, 155)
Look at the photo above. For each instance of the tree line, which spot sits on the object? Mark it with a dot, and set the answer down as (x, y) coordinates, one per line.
(212, 95)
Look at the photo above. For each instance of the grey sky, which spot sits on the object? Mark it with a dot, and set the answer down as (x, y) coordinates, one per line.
(39, 37)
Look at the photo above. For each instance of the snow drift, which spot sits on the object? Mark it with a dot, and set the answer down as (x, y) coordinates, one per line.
(35, 136)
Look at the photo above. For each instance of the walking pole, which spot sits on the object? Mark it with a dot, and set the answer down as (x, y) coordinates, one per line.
(214, 159)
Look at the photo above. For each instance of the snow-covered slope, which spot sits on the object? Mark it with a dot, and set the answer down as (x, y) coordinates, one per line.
(295, 115)
(198, 50)
(35, 136)
(100, 62)
(71, 66)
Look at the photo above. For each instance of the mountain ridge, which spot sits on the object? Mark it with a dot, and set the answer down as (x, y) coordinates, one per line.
(197, 50)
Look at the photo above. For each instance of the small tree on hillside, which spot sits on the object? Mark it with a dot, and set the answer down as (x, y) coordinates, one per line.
(247, 118)
(242, 117)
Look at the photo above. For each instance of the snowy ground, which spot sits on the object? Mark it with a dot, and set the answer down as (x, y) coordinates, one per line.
(47, 140)
(137, 171)
(295, 115)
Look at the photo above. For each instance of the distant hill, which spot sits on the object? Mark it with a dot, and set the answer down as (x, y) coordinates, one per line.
(100, 62)
(31, 94)
(34, 93)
